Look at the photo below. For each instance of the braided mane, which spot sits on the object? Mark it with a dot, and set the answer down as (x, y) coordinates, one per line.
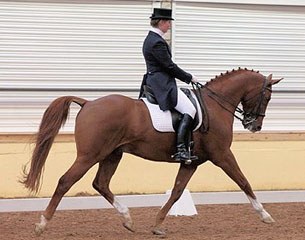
(223, 75)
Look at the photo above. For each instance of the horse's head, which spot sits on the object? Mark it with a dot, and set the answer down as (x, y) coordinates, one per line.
(255, 105)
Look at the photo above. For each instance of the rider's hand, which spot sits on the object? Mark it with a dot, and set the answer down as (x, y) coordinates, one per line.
(194, 79)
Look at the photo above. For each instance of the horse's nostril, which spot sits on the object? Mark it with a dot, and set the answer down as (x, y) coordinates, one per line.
(258, 128)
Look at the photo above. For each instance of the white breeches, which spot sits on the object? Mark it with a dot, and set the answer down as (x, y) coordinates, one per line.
(184, 104)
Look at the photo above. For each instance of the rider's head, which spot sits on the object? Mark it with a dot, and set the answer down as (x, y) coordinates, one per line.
(161, 18)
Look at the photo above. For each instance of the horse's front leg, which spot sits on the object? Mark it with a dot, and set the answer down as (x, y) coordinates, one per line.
(229, 165)
(184, 175)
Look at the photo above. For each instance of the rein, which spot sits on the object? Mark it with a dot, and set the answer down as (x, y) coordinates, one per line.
(248, 117)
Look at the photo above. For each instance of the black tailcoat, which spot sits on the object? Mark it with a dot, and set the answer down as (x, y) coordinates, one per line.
(161, 71)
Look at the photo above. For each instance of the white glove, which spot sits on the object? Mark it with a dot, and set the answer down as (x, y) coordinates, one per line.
(194, 79)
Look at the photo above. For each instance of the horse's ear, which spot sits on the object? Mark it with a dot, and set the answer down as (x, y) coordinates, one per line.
(275, 81)
(269, 78)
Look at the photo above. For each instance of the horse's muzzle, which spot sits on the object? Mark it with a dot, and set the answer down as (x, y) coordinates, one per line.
(254, 127)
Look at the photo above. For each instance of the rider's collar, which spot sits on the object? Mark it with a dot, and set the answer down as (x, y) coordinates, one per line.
(157, 30)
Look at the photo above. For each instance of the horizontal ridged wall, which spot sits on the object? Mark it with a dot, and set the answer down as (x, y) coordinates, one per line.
(210, 39)
(81, 48)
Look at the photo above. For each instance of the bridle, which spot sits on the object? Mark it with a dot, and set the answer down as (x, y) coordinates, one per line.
(257, 111)
(249, 116)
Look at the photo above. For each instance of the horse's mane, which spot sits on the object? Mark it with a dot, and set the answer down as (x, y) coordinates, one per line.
(229, 73)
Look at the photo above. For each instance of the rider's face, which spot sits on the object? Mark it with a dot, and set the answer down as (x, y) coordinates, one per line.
(164, 25)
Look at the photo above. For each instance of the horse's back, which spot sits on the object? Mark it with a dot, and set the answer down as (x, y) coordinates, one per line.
(113, 115)
(109, 108)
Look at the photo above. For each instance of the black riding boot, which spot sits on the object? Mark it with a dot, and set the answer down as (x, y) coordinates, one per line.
(183, 154)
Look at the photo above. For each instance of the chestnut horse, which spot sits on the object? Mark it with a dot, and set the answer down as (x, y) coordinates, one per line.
(109, 126)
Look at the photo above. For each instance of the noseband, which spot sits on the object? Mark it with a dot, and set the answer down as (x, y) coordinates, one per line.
(249, 116)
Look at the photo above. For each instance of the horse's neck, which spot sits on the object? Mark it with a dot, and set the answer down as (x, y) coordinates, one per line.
(233, 87)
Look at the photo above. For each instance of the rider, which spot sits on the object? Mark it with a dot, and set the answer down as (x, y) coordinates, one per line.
(160, 77)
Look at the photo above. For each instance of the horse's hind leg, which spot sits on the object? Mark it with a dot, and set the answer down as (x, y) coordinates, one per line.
(184, 175)
(107, 168)
(76, 171)
(231, 168)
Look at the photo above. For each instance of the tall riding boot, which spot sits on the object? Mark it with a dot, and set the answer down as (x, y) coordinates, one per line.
(184, 128)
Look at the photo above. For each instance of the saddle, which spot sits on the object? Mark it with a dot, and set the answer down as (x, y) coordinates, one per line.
(169, 121)
(175, 115)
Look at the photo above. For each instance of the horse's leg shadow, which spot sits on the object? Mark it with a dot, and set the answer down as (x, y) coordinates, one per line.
(107, 168)
(229, 165)
(184, 175)
(76, 172)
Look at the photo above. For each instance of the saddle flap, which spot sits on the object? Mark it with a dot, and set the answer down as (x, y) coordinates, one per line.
(168, 121)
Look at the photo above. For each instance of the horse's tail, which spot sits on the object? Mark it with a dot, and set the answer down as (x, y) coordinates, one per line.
(53, 119)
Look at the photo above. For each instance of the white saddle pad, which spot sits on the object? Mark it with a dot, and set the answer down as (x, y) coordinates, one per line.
(162, 120)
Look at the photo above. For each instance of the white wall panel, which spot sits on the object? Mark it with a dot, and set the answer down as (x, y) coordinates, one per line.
(210, 39)
(49, 48)
(263, 2)
(93, 48)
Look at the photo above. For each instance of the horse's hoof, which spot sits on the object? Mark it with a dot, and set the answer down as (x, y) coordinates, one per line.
(129, 226)
(159, 232)
(38, 229)
(266, 217)
(268, 220)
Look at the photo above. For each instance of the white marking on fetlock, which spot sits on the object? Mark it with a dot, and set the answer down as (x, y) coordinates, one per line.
(258, 207)
(40, 227)
(124, 211)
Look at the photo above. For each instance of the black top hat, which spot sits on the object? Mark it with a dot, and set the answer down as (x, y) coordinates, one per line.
(162, 13)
